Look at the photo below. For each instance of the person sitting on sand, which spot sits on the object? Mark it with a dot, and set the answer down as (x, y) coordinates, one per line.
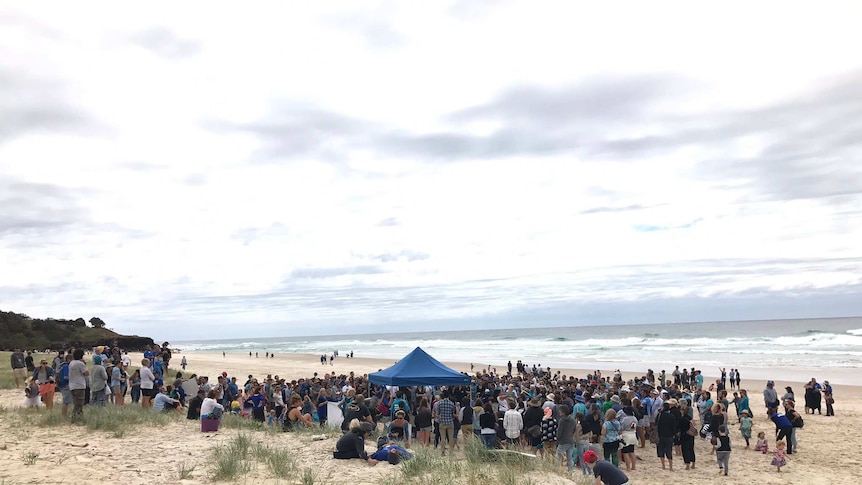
(352, 443)
(399, 429)
(210, 407)
(295, 416)
(195, 404)
(163, 402)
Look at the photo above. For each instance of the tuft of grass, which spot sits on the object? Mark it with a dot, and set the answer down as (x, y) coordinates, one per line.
(308, 476)
(232, 458)
(115, 420)
(278, 461)
(30, 457)
(232, 421)
(185, 470)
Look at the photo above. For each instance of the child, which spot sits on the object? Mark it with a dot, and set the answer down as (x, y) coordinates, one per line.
(745, 426)
(779, 456)
(270, 418)
(761, 444)
(722, 453)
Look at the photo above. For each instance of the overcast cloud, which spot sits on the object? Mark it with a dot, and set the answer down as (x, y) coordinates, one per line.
(294, 170)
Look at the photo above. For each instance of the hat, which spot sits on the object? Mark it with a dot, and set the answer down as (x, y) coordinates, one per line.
(653, 392)
(626, 388)
(770, 383)
(664, 391)
(615, 398)
(224, 373)
(366, 427)
(550, 396)
(548, 413)
(400, 413)
(745, 411)
(673, 402)
(597, 396)
(579, 398)
(591, 456)
(534, 402)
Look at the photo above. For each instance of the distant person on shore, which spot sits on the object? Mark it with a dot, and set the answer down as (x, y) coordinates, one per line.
(184, 362)
(827, 395)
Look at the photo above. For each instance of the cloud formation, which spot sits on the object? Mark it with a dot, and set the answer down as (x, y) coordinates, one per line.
(316, 171)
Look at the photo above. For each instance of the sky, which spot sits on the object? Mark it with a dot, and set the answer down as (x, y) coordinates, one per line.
(199, 170)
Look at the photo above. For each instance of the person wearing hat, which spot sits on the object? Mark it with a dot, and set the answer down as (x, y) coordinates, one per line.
(352, 443)
(827, 396)
(605, 473)
(44, 375)
(98, 382)
(770, 396)
(533, 416)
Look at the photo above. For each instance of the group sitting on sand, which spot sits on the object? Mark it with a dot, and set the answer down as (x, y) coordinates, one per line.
(533, 409)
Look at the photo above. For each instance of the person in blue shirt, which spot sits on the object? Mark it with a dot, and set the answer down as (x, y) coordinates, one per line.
(783, 428)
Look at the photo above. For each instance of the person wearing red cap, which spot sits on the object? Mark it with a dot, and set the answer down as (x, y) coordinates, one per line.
(605, 472)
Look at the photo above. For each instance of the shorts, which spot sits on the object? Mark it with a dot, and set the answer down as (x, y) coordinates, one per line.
(664, 448)
(20, 373)
(148, 392)
(427, 429)
(628, 449)
(67, 396)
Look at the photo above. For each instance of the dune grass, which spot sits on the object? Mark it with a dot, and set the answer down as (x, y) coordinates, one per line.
(117, 421)
(242, 454)
(478, 466)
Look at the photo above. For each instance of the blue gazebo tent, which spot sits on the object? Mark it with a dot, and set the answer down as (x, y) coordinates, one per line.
(419, 369)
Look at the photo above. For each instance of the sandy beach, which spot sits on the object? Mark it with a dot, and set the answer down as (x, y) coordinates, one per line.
(145, 455)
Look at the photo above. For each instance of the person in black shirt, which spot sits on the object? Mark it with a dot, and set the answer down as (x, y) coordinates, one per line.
(667, 426)
(194, 411)
(722, 453)
(352, 443)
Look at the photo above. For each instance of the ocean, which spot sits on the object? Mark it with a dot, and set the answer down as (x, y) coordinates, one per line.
(833, 346)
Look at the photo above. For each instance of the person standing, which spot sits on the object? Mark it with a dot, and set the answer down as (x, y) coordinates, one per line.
(19, 367)
(78, 374)
(184, 362)
(147, 383)
(827, 394)
(45, 376)
(566, 436)
(98, 382)
(770, 396)
(445, 412)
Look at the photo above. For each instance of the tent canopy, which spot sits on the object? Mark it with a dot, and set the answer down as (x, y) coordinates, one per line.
(419, 369)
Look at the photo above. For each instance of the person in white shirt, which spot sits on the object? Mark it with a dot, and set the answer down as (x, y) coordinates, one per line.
(513, 422)
(147, 378)
(210, 405)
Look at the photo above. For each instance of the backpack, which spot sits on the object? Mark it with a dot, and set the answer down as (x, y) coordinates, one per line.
(797, 420)
(63, 380)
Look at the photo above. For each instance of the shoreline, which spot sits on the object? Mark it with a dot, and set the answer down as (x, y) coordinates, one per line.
(793, 375)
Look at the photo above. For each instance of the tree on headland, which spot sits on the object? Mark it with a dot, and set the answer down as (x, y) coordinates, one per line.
(97, 322)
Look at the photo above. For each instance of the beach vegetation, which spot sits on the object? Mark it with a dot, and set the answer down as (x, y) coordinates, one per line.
(185, 471)
(30, 457)
(117, 421)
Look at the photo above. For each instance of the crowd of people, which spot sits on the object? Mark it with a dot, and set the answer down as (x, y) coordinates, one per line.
(596, 424)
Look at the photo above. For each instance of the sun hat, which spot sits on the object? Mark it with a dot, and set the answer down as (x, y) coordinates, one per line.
(673, 402)
(615, 398)
(550, 396)
(591, 456)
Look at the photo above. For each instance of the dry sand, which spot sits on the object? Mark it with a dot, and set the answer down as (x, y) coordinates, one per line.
(827, 445)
